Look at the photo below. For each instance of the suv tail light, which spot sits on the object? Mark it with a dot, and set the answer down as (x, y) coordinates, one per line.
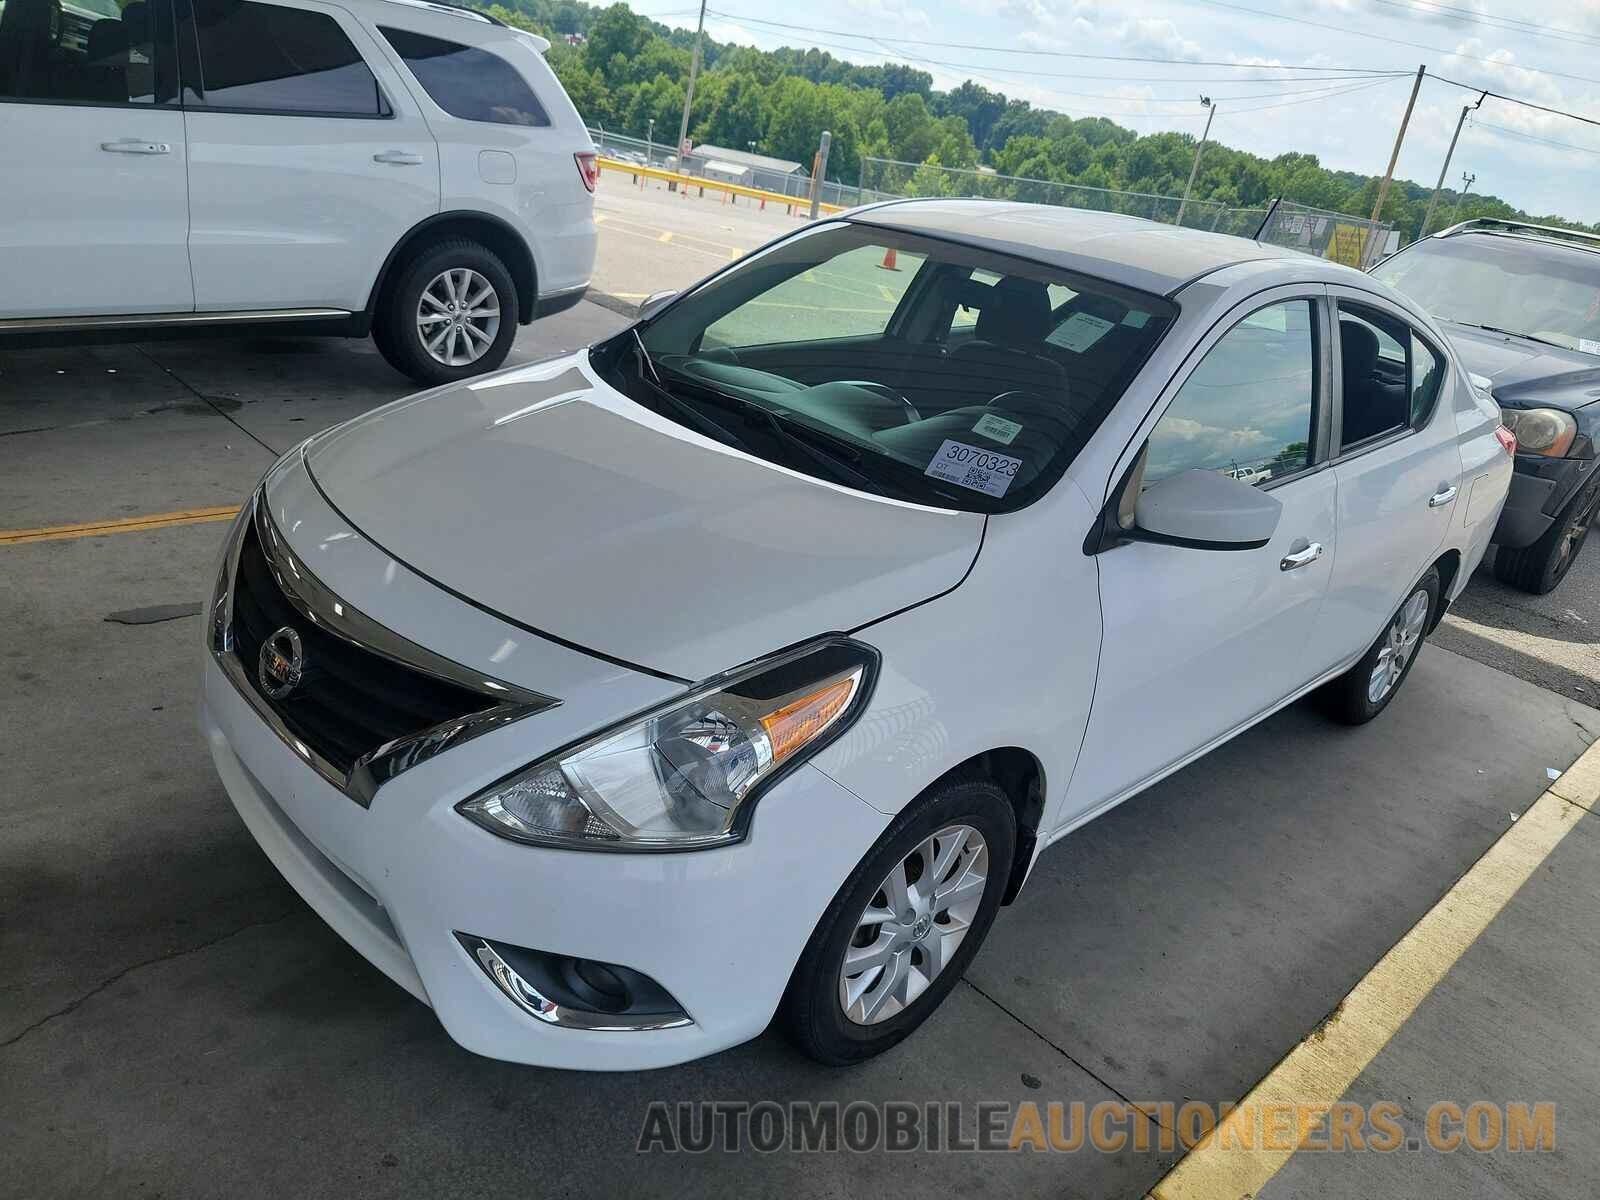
(1507, 439)
(587, 168)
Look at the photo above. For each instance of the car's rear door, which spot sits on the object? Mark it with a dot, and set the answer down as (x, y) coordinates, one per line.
(309, 160)
(1197, 642)
(1397, 462)
(94, 211)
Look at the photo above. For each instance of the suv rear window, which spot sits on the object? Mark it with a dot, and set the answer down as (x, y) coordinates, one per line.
(467, 82)
(268, 58)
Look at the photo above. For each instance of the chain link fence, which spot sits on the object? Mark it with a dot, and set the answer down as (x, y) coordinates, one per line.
(1350, 240)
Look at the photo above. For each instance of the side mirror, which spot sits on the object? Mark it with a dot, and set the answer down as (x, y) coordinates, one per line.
(654, 303)
(1205, 510)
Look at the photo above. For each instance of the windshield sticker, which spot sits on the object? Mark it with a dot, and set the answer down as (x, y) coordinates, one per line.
(1078, 332)
(973, 467)
(1589, 346)
(1136, 319)
(997, 429)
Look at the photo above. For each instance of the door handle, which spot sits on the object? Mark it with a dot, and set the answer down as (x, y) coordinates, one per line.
(1442, 497)
(1301, 558)
(399, 158)
(135, 146)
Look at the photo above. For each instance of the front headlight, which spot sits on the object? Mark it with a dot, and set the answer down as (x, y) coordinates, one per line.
(685, 775)
(1546, 431)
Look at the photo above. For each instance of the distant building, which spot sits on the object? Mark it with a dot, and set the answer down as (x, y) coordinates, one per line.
(756, 163)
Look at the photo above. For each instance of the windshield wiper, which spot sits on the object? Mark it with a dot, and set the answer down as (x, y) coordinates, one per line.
(689, 413)
(1509, 333)
(785, 430)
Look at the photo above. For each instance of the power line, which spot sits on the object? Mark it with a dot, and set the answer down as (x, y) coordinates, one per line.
(1380, 37)
(1135, 58)
(1469, 16)
(1360, 87)
(1531, 137)
(1545, 108)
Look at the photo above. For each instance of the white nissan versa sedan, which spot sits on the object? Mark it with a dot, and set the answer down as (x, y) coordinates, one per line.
(744, 663)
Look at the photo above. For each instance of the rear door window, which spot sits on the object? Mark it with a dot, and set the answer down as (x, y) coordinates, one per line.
(274, 59)
(1389, 376)
(468, 82)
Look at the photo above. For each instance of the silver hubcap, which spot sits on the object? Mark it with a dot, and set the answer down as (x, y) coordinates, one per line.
(913, 926)
(1398, 646)
(458, 316)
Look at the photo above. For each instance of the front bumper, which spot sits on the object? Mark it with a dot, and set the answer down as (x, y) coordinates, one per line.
(720, 929)
(1540, 489)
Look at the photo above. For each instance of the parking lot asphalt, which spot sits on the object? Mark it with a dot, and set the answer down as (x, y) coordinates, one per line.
(174, 1021)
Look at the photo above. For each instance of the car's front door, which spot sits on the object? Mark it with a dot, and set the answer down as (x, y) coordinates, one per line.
(94, 210)
(309, 160)
(1198, 642)
(1398, 466)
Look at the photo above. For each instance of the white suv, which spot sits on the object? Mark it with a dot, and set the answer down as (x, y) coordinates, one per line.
(405, 169)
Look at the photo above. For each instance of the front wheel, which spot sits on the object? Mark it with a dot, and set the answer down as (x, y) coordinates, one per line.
(1365, 690)
(902, 929)
(451, 314)
(1540, 567)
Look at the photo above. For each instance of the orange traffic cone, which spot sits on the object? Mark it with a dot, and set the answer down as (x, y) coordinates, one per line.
(888, 260)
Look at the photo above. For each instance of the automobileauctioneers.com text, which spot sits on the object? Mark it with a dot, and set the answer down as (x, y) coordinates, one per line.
(1109, 1127)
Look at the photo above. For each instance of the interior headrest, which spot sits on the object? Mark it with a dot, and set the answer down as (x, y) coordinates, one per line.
(1358, 347)
(1017, 313)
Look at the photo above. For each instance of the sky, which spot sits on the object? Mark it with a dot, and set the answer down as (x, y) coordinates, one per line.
(1537, 50)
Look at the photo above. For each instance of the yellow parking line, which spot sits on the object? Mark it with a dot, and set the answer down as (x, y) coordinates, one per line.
(58, 533)
(1230, 1163)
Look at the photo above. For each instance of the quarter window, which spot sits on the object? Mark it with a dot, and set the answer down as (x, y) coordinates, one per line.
(467, 82)
(87, 52)
(269, 58)
(1246, 411)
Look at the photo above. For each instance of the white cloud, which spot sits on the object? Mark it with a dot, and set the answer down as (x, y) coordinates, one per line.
(1158, 37)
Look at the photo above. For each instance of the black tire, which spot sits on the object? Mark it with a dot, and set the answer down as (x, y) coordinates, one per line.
(1540, 567)
(1348, 699)
(395, 331)
(813, 1013)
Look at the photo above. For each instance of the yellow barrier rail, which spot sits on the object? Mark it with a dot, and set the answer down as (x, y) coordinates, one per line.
(731, 189)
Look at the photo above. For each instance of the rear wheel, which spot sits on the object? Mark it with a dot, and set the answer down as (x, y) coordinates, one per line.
(1365, 690)
(451, 314)
(1540, 567)
(904, 926)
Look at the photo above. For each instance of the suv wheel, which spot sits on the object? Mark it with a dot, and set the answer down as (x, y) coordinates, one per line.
(1539, 567)
(451, 314)
(1365, 690)
(904, 926)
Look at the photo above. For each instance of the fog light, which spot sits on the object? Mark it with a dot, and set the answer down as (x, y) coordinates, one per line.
(575, 993)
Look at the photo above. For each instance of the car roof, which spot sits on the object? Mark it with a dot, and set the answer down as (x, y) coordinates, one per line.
(1132, 251)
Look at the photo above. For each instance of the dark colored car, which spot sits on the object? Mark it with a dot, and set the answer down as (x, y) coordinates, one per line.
(1522, 303)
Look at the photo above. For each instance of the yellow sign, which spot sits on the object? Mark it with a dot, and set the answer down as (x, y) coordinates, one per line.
(1345, 245)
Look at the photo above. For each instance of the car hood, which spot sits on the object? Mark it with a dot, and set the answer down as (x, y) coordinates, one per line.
(550, 498)
(1525, 373)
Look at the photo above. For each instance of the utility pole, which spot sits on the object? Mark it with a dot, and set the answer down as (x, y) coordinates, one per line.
(1466, 185)
(650, 145)
(820, 172)
(688, 95)
(1427, 217)
(1211, 111)
(1394, 157)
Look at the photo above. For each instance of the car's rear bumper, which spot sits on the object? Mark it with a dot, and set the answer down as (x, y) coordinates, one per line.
(719, 929)
(1540, 489)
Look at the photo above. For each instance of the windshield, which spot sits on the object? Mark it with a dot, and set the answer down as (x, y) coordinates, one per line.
(1509, 283)
(920, 369)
